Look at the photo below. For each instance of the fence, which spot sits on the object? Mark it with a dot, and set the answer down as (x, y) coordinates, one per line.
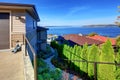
(34, 57)
(94, 63)
(69, 59)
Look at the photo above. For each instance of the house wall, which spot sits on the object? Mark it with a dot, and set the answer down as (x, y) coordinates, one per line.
(17, 26)
(43, 34)
(42, 37)
(31, 33)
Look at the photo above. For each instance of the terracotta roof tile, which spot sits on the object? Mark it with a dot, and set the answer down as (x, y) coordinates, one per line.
(81, 40)
(103, 39)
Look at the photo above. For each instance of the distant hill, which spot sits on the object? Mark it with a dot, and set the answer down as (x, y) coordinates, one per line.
(101, 25)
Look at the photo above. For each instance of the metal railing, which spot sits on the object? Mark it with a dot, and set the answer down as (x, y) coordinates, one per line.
(34, 56)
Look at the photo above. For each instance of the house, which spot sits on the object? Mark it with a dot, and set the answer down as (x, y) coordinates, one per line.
(103, 39)
(51, 37)
(18, 21)
(74, 39)
(41, 38)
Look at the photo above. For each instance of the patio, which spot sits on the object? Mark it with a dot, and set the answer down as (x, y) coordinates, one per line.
(11, 66)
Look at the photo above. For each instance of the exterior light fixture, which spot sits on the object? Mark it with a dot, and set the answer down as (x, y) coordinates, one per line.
(18, 17)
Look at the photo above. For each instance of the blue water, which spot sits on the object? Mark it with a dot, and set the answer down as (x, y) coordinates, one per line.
(105, 31)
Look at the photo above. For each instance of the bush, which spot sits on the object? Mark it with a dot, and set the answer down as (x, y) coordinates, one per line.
(59, 64)
(40, 77)
(41, 63)
(84, 56)
(104, 53)
(118, 41)
(56, 74)
(106, 71)
(44, 73)
(46, 53)
(117, 72)
(54, 44)
(93, 55)
(92, 34)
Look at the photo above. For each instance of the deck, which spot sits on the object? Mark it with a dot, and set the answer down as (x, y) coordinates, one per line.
(11, 66)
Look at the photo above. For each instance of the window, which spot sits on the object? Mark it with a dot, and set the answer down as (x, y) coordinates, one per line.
(34, 24)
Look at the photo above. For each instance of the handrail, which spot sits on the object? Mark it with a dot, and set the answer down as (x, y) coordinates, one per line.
(34, 57)
(30, 46)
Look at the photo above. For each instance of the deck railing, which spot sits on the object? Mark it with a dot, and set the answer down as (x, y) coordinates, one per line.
(34, 56)
(94, 64)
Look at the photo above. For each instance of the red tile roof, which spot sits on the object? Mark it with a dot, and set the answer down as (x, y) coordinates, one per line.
(81, 40)
(103, 39)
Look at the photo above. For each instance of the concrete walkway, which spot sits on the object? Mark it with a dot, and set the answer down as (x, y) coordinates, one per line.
(11, 66)
(48, 62)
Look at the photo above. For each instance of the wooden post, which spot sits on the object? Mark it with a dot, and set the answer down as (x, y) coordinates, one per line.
(95, 70)
(34, 58)
(35, 67)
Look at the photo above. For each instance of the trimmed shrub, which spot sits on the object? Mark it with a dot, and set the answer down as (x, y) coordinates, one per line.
(118, 41)
(93, 55)
(78, 52)
(117, 72)
(106, 71)
(84, 55)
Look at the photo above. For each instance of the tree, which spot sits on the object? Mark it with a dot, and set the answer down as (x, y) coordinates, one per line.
(117, 72)
(84, 55)
(106, 71)
(93, 55)
(92, 34)
(118, 41)
(78, 51)
(118, 18)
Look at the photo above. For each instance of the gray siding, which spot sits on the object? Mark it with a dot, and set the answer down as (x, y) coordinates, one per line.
(30, 23)
(42, 37)
(31, 33)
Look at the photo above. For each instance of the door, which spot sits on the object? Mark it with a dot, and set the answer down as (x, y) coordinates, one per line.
(4, 31)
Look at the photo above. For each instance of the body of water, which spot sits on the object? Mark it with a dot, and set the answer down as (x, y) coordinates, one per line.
(105, 31)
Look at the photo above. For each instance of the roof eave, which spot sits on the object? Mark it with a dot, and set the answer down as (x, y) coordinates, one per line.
(29, 7)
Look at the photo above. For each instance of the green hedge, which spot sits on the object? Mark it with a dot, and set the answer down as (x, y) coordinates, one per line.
(106, 71)
(93, 55)
(117, 59)
(103, 53)
(84, 55)
(44, 72)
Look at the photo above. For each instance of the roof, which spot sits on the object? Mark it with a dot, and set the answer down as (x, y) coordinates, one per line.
(81, 40)
(103, 39)
(39, 28)
(29, 7)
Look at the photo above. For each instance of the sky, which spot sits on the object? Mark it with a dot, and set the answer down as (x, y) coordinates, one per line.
(74, 12)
